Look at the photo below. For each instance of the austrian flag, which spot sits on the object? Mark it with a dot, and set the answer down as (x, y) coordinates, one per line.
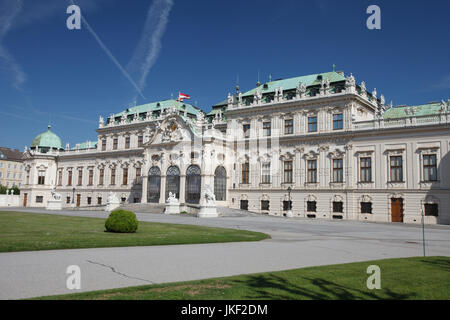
(182, 96)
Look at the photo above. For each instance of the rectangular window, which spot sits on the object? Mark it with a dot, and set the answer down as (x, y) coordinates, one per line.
(312, 171)
(244, 204)
(69, 179)
(104, 145)
(429, 167)
(431, 209)
(288, 171)
(80, 177)
(127, 142)
(289, 126)
(265, 174)
(396, 169)
(265, 205)
(338, 170)
(338, 123)
(113, 176)
(41, 177)
(140, 141)
(91, 177)
(246, 128)
(101, 177)
(245, 173)
(312, 124)
(99, 200)
(365, 165)
(338, 206)
(89, 200)
(287, 205)
(67, 200)
(366, 207)
(39, 199)
(115, 143)
(267, 129)
(125, 176)
(60, 173)
(311, 206)
(138, 174)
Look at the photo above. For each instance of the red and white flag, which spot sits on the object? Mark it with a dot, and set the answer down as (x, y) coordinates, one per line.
(182, 96)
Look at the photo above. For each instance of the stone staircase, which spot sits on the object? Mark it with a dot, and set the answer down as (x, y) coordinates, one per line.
(229, 212)
(144, 207)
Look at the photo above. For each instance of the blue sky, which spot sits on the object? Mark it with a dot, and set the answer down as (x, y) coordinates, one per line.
(51, 74)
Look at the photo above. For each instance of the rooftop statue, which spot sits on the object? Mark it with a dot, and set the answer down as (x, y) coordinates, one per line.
(363, 86)
(350, 81)
(301, 89)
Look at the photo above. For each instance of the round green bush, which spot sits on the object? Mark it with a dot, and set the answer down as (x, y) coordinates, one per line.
(122, 221)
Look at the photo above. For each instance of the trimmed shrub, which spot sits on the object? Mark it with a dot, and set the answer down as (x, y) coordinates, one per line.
(121, 221)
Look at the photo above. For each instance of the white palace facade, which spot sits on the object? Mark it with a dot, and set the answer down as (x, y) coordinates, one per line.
(320, 145)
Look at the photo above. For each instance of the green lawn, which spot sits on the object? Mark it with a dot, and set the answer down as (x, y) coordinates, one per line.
(21, 231)
(408, 278)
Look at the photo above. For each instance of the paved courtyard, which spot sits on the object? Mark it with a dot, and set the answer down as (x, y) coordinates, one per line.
(295, 243)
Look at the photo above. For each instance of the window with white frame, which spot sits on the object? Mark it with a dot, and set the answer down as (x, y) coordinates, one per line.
(429, 167)
(338, 170)
(265, 172)
(267, 128)
(312, 171)
(365, 169)
(396, 168)
(288, 168)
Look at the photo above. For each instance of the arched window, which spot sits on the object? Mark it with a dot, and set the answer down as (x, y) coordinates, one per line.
(220, 184)
(173, 181)
(193, 184)
(154, 185)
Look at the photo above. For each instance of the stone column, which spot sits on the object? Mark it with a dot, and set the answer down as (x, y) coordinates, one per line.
(162, 190)
(182, 187)
(144, 189)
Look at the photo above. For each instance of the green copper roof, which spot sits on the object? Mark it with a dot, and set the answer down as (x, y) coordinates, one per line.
(47, 140)
(84, 145)
(292, 83)
(421, 110)
(156, 106)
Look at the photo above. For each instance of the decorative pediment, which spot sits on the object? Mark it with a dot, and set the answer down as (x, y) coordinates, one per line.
(171, 129)
(311, 155)
(336, 154)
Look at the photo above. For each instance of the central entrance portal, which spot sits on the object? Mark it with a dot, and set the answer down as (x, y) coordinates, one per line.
(193, 184)
(173, 181)
(154, 185)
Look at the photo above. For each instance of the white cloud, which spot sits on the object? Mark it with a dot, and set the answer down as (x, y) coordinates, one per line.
(149, 47)
(9, 10)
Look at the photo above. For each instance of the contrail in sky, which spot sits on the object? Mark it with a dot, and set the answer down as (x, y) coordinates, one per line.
(110, 55)
(7, 16)
(150, 43)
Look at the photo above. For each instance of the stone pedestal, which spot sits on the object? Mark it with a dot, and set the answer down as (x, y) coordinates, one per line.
(208, 211)
(172, 205)
(112, 205)
(172, 208)
(112, 202)
(54, 205)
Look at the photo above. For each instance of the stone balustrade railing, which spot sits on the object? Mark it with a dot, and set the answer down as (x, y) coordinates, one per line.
(409, 121)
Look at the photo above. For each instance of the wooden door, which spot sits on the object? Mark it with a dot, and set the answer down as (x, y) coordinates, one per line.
(25, 198)
(397, 210)
(78, 199)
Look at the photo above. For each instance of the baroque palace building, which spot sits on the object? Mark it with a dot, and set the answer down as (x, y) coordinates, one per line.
(320, 145)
